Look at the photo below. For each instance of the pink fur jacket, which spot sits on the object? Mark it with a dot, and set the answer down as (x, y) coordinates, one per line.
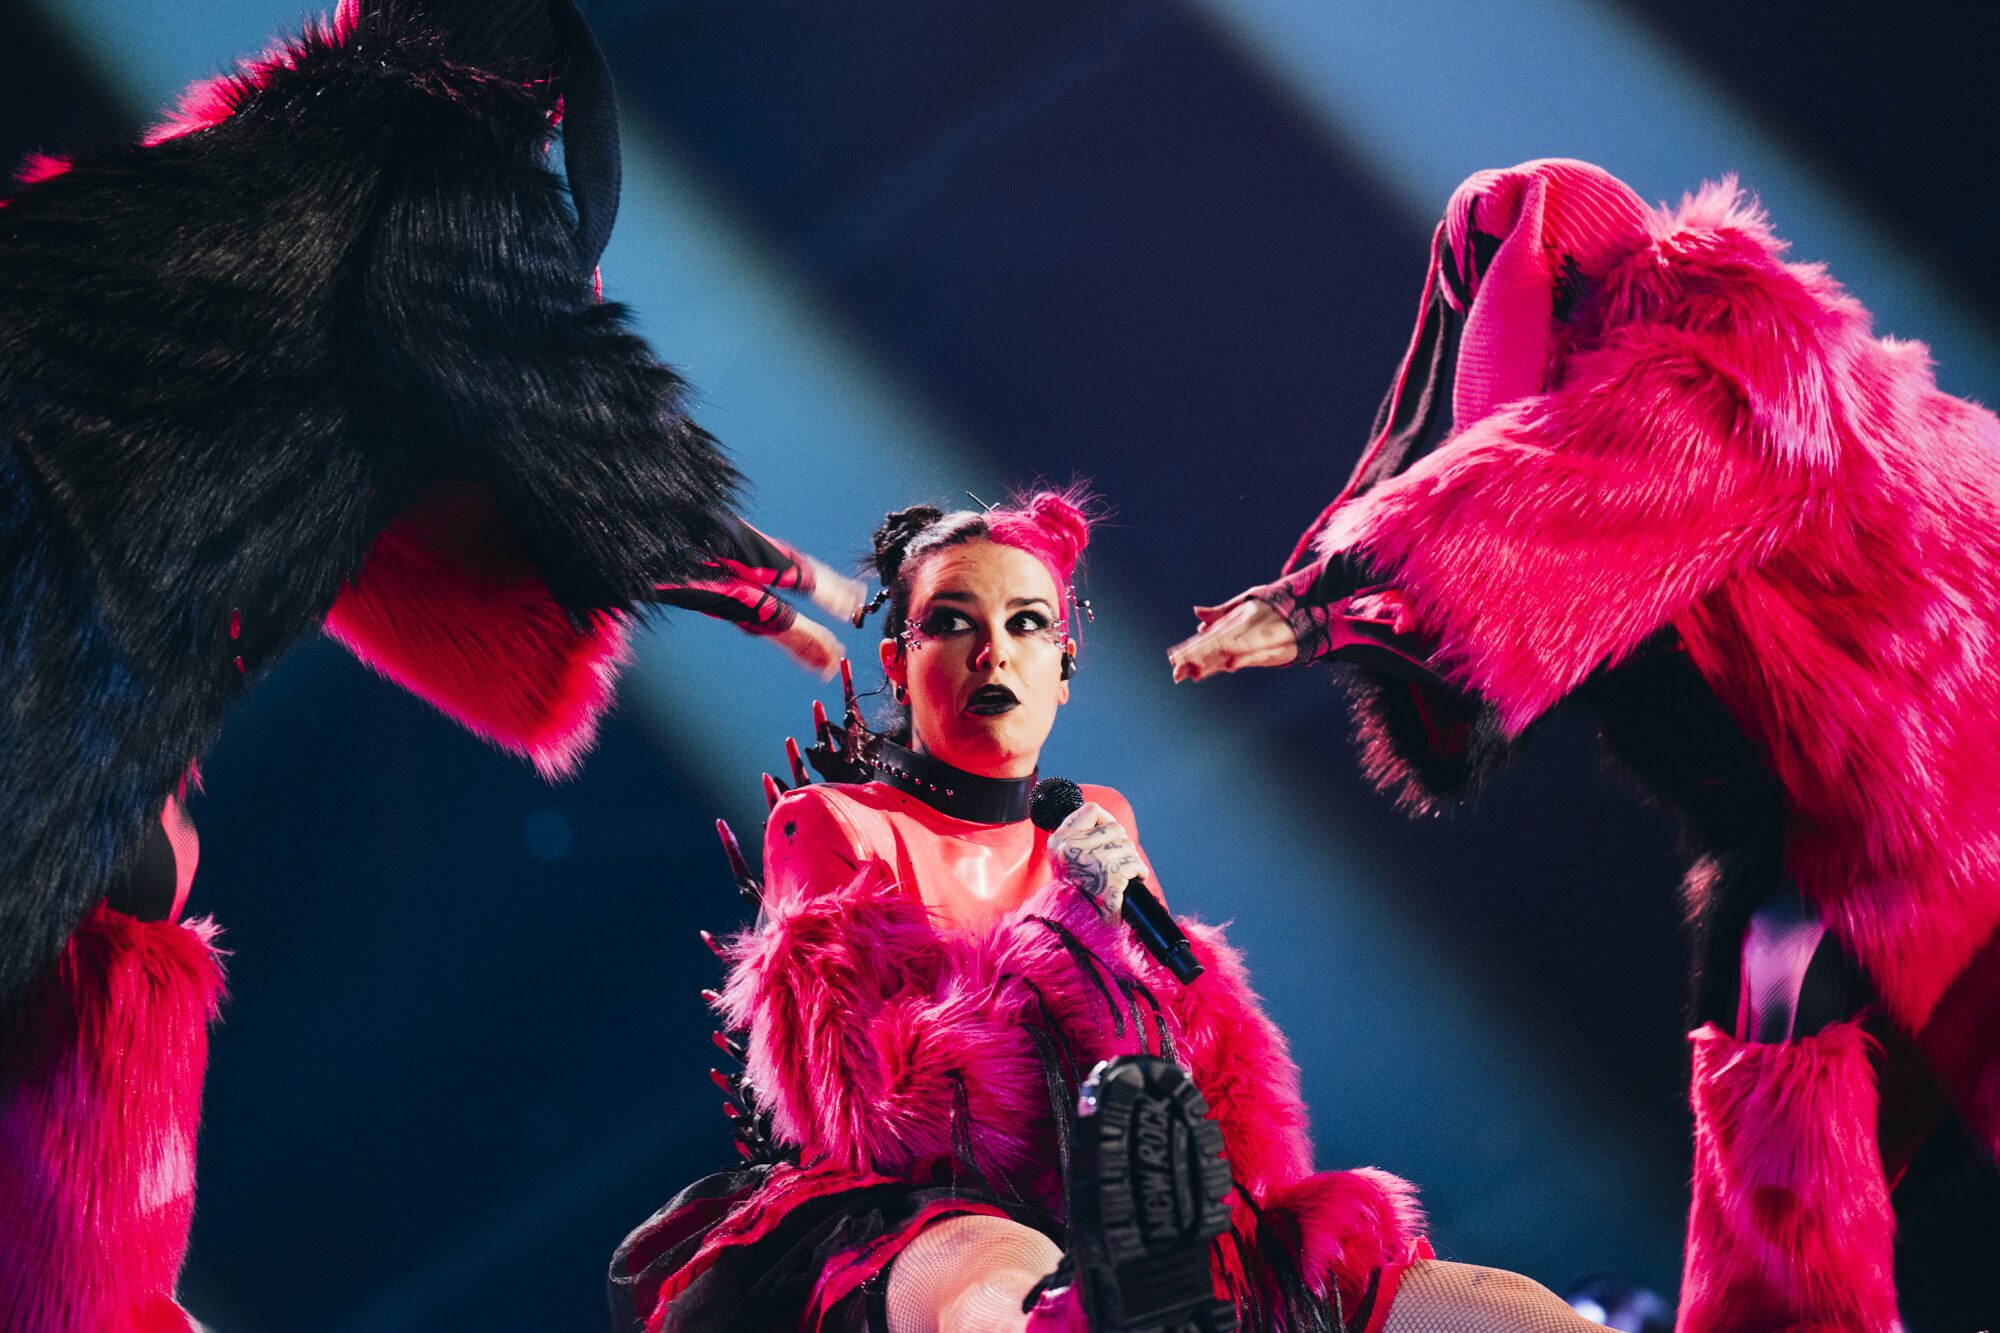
(874, 1032)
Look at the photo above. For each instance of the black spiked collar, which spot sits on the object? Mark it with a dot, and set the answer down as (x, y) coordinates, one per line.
(953, 791)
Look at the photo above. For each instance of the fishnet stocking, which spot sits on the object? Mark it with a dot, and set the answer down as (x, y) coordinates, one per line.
(967, 1275)
(1440, 1297)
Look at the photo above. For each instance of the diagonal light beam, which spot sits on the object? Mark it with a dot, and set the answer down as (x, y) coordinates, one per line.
(1426, 92)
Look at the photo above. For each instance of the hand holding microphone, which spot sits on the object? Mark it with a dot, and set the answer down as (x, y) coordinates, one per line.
(1094, 853)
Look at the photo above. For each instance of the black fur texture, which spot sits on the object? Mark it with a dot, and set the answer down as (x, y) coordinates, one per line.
(1429, 744)
(1434, 747)
(1662, 722)
(228, 359)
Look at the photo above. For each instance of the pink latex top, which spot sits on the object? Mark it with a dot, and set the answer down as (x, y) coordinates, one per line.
(969, 875)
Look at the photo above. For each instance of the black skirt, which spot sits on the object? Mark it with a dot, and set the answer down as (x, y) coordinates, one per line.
(759, 1249)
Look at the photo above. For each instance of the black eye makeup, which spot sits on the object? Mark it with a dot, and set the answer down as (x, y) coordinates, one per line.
(949, 622)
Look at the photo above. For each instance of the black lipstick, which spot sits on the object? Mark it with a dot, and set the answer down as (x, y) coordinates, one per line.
(992, 700)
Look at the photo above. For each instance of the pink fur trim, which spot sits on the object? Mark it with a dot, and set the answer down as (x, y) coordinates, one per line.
(97, 1127)
(1239, 1060)
(1348, 1224)
(861, 1010)
(865, 1017)
(447, 610)
(1790, 1227)
(209, 102)
(40, 167)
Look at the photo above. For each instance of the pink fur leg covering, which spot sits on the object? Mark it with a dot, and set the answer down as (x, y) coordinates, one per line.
(101, 1067)
(1790, 1231)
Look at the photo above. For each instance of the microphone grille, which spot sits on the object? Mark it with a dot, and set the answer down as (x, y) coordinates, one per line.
(1052, 801)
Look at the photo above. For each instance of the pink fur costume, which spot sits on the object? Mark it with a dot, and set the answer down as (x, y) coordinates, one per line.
(1672, 435)
(99, 1103)
(889, 1048)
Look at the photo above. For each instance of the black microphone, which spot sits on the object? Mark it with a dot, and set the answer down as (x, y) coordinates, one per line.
(1051, 804)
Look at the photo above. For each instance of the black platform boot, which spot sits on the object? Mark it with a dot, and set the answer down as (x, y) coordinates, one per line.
(1150, 1192)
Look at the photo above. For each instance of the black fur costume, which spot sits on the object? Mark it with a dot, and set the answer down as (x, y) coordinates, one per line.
(230, 357)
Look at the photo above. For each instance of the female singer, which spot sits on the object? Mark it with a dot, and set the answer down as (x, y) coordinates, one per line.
(930, 986)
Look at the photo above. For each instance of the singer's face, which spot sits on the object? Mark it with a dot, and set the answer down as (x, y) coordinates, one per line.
(983, 658)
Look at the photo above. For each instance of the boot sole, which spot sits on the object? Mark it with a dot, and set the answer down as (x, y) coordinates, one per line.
(1152, 1190)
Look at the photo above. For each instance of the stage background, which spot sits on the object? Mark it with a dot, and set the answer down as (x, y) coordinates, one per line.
(908, 249)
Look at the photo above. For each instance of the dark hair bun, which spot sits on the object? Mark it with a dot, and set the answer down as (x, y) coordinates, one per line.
(893, 538)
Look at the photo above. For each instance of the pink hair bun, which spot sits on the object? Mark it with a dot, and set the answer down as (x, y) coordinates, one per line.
(1052, 526)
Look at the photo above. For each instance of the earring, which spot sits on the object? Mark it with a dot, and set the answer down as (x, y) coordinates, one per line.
(902, 696)
(1068, 664)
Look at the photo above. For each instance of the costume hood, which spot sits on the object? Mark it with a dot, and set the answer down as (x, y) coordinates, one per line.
(1516, 252)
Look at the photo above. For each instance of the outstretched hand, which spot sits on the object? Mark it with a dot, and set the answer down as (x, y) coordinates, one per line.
(812, 645)
(835, 593)
(1094, 855)
(1242, 632)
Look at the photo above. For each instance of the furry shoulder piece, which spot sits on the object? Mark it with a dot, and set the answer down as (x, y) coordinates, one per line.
(342, 282)
(100, 1095)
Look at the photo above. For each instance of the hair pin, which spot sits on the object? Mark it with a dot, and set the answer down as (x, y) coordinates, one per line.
(981, 503)
(873, 605)
(1082, 604)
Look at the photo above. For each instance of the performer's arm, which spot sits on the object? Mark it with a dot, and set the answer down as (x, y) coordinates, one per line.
(1334, 608)
(735, 581)
(541, 391)
(764, 561)
(1554, 535)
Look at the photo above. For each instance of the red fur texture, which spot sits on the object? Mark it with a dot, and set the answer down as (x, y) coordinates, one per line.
(864, 1017)
(1791, 1230)
(444, 608)
(97, 1127)
(1725, 448)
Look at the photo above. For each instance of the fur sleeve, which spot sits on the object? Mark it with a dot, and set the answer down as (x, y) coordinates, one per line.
(445, 607)
(539, 391)
(883, 1043)
(1553, 536)
(1341, 1225)
(1237, 1056)
(104, 1058)
(230, 355)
